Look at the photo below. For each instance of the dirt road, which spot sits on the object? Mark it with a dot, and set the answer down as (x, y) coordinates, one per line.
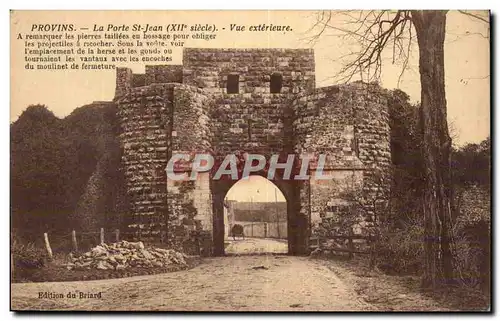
(266, 282)
(237, 283)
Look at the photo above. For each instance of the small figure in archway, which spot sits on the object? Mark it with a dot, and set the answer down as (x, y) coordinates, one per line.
(237, 230)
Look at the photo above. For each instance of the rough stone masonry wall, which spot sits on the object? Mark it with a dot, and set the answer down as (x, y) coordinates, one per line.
(163, 74)
(189, 201)
(155, 74)
(144, 114)
(252, 120)
(123, 81)
(208, 69)
(154, 125)
(372, 132)
(323, 124)
(349, 125)
(253, 123)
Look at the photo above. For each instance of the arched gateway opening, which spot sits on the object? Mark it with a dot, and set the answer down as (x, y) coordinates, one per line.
(256, 208)
(297, 225)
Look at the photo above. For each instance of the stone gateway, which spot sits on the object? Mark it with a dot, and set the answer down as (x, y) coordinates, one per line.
(236, 101)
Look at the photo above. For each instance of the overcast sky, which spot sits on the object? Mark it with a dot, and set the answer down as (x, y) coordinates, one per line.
(255, 189)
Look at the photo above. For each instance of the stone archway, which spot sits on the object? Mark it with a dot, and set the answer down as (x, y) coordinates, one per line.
(298, 225)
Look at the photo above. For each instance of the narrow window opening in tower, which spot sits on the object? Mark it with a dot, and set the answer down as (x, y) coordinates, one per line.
(233, 84)
(276, 83)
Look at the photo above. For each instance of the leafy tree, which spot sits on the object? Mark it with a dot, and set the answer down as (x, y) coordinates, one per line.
(472, 164)
(52, 161)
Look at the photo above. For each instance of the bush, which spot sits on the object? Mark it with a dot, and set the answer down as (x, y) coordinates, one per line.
(26, 257)
(401, 251)
(472, 253)
(472, 237)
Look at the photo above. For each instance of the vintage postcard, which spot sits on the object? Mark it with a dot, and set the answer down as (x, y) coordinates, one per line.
(250, 160)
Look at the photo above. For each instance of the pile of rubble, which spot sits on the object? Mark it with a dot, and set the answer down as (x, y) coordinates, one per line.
(122, 255)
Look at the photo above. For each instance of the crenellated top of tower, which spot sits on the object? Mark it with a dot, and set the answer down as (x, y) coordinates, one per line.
(155, 74)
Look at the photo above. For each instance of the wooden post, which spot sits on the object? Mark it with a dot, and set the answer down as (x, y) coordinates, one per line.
(73, 240)
(117, 235)
(47, 244)
(102, 235)
(276, 212)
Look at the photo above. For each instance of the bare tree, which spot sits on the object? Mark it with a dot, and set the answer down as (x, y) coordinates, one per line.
(380, 32)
